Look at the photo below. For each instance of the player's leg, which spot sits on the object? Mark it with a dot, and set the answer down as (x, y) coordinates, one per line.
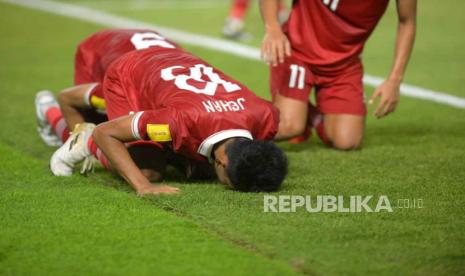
(344, 131)
(314, 121)
(239, 9)
(51, 124)
(341, 100)
(290, 85)
(293, 117)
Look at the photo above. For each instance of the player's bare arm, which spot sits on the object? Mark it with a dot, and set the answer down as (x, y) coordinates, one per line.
(389, 91)
(71, 101)
(275, 45)
(110, 138)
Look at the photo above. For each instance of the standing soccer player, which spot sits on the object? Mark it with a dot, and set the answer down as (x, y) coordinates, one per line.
(320, 46)
(84, 101)
(172, 98)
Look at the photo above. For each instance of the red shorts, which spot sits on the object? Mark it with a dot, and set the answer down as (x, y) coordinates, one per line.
(338, 92)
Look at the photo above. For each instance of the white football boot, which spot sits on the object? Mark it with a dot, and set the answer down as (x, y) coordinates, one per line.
(45, 100)
(73, 151)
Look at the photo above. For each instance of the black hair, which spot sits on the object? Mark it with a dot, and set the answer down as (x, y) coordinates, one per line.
(255, 166)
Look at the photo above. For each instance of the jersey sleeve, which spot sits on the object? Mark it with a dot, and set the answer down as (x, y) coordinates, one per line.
(156, 125)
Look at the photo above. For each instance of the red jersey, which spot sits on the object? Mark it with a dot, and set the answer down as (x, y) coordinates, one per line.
(332, 32)
(183, 100)
(97, 52)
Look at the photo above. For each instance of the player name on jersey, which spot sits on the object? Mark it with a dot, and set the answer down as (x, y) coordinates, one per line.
(224, 106)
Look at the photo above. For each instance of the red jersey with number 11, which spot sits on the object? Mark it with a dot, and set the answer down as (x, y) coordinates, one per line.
(332, 32)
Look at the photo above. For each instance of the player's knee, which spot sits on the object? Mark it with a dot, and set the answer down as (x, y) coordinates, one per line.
(347, 142)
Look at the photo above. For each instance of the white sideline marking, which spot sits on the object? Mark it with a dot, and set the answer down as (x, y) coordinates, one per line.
(139, 5)
(102, 18)
(419, 93)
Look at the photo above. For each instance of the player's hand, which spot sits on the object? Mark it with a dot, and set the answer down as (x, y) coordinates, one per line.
(389, 91)
(275, 46)
(156, 190)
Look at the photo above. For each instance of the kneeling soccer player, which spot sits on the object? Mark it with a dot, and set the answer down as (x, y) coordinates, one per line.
(170, 97)
(84, 101)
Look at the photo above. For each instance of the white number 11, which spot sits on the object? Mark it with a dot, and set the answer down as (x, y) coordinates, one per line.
(297, 76)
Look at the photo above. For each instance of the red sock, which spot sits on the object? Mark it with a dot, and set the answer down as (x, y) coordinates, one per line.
(97, 153)
(57, 122)
(239, 9)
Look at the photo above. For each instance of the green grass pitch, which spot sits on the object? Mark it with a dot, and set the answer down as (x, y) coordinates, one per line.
(97, 226)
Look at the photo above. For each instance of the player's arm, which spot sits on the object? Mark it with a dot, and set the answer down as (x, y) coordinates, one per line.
(110, 138)
(390, 89)
(71, 100)
(275, 45)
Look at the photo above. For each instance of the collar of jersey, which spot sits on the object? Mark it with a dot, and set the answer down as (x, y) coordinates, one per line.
(205, 149)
